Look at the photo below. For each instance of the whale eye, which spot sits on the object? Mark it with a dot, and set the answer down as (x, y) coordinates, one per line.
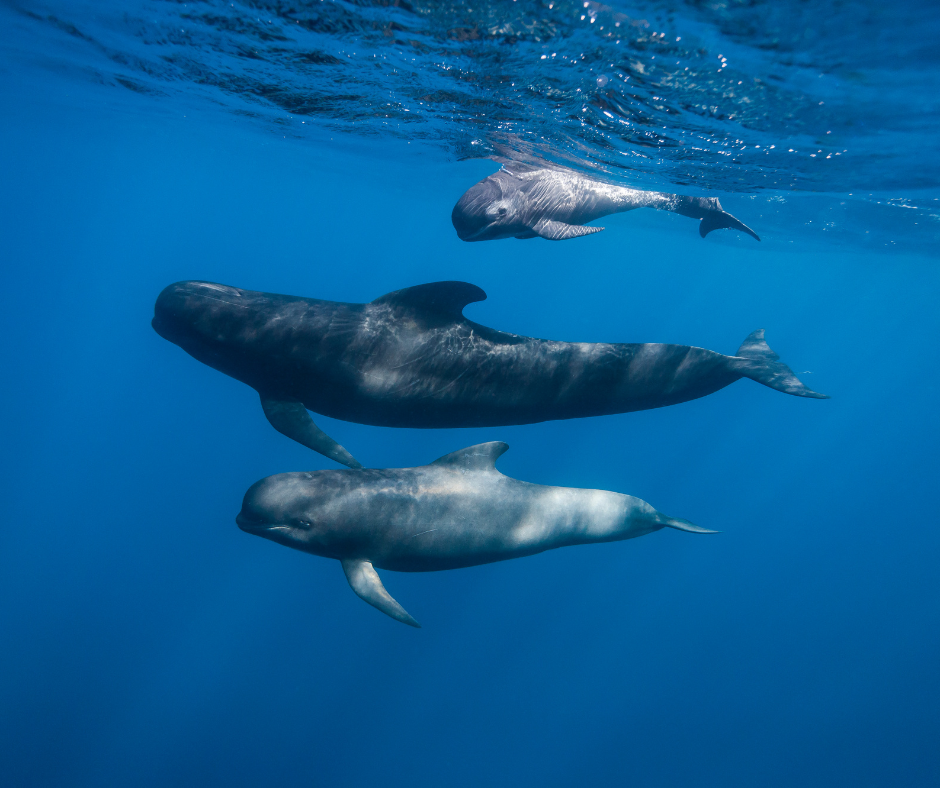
(502, 211)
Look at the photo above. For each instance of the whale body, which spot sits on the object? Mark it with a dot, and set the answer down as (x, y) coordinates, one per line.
(520, 201)
(458, 511)
(411, 359)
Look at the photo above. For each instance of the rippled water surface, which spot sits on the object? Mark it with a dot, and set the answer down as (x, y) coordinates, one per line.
(749, 96)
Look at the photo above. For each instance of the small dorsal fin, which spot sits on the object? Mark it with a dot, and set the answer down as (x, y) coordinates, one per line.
(481, 457)
(447, 298)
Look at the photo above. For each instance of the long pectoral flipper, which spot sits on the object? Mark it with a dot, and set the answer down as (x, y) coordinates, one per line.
(560, 231)
(290, 418)
(364, 580)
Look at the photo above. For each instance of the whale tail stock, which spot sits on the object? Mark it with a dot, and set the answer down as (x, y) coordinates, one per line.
(755, 360)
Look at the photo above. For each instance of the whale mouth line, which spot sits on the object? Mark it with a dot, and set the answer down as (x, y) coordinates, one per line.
(475, 236)
(246, 522)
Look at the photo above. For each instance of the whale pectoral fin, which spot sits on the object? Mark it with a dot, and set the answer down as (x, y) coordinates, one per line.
(559, 231)
(364, 580)
(290, 418)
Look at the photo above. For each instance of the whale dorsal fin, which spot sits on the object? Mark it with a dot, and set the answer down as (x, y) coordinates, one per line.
(447, 298)
(481, 457)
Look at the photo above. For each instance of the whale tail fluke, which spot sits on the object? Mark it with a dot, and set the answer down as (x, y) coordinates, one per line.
(709, 211)
(684, 525)
(717, 219)
(758, 362)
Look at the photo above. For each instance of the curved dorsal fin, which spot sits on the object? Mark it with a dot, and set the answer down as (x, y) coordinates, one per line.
(481, 457)
(447, 298)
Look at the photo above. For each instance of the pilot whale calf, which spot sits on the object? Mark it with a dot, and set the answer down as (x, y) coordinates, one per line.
(521, 201)
(458, 511)
(411, 359)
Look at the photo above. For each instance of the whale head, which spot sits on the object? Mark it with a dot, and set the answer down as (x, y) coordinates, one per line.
(294, 509)
(195, 312)
(487, 212)
(208, 321)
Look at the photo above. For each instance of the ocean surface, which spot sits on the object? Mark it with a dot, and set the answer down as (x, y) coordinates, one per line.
(317, 149)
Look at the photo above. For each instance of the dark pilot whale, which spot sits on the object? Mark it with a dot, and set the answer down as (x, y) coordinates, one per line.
(458, 511)
(521, 201)
(411, 359)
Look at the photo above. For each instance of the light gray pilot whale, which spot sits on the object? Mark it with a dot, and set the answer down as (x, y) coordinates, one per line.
(411, 359)
(458, 511)
(521, 201)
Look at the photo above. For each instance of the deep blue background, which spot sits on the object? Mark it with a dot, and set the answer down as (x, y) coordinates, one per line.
(146, 641)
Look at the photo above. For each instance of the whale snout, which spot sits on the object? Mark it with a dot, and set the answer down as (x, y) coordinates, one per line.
(470, 215)
(272, 504)
(169, 311)
(178, 304)
(259, 506)
(248, 521)
(199, 316)
(466, 226)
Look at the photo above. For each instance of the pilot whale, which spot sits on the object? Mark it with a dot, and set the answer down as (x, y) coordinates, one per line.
(458, 511)
(521, 201)
(411, 359)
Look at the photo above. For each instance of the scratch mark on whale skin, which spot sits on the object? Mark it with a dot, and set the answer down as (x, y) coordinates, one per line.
(220, 300)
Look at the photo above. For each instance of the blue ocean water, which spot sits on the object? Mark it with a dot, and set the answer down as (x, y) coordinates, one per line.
(317, 149)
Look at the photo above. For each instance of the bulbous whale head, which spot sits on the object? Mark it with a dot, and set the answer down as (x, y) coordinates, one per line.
(197, 313)
(293, 509)
(213, 323)
(486, 213)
